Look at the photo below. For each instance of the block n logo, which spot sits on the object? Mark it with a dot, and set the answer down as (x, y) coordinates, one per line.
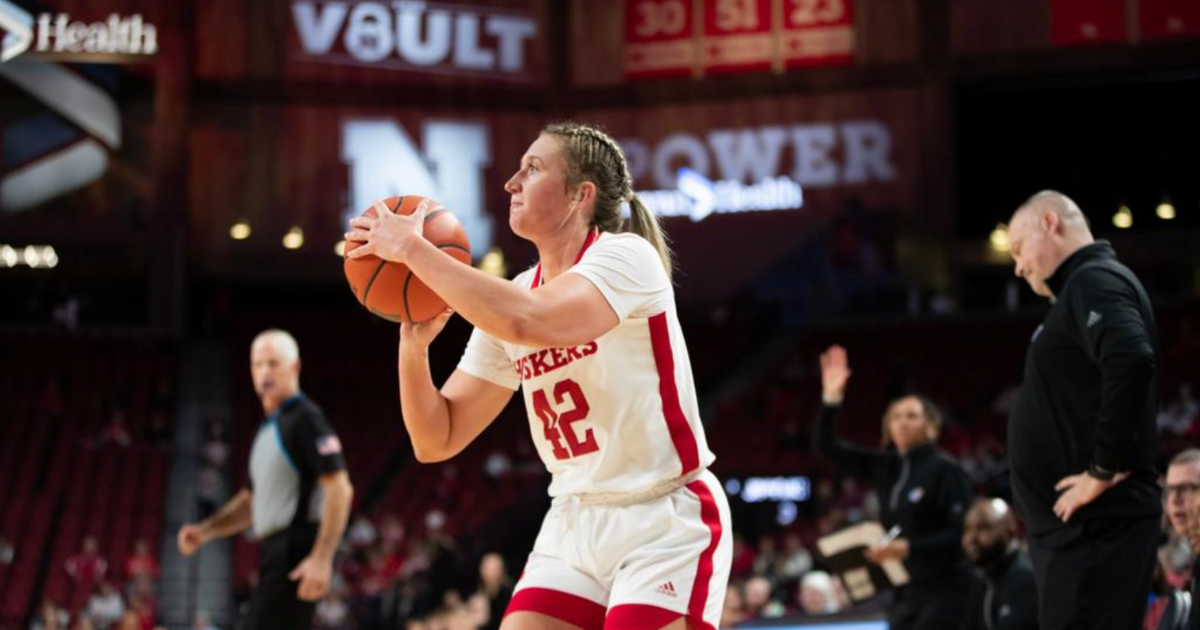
(385, 161)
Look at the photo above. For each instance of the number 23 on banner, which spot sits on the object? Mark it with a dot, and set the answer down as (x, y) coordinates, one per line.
(814, 12)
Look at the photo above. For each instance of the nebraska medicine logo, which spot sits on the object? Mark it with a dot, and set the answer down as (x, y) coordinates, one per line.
(86, 116)
(416, 36)
(58, 35)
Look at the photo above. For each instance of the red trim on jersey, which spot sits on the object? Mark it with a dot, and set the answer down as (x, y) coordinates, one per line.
(639, 617)
(677, 424)
(704, 571)
(572, 609)
(592, 237)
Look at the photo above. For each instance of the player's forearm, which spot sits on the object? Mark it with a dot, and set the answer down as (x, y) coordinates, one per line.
(233, 518)
(335, 511)
(492, 304)
(426, 412)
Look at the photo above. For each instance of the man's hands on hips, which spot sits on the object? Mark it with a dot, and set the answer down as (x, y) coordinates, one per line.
(314, 574)
(1080, 490)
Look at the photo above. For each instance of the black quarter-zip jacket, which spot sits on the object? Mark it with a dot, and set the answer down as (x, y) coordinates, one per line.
(923, 492)
(1089, 394)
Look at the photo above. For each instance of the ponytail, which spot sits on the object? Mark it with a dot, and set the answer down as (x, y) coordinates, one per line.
(646, 224)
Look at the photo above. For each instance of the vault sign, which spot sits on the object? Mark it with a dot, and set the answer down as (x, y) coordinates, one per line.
(416, 36)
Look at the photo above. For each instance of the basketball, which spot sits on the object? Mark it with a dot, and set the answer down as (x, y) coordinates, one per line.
(389, 289)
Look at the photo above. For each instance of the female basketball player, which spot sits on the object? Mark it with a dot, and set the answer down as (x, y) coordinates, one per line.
(638, 535)
(923, 498)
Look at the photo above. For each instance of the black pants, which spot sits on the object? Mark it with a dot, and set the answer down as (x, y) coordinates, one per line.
(930, 607)
(275, 605)
(1095, 574)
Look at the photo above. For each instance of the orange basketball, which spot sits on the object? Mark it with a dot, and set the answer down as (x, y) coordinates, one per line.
(389, 289)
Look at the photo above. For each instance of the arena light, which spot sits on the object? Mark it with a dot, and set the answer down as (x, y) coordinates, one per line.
(294, 239)
(340, 248)
(33, 256)
(8, 256)
(999, 239)
(240, 231)
(1123, 218)
(49, 257)
(1165, 210)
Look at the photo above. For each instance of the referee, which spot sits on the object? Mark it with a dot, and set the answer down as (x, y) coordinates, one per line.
(1081, 437)
(299, 495)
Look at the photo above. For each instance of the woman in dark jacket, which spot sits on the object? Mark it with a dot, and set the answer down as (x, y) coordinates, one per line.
(922, 495)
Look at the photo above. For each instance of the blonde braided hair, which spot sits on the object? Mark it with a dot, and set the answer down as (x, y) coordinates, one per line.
(593, 156)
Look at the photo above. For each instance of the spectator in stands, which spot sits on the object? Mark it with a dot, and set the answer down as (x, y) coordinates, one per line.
(141, 562)
(333, 613)
(496, 588)
(202, 622)
(105, 606)
(766, 560)
(1179, 503)
(1178, 415)
(116, 432)
(796, 560)
(142, 610)
(924, 497)
(818, 594)
(1006, 598)
(158, 429)
(87, 566)
(50, 617)
(7, 551)
(361, 532)
(1182, 489)
(734, 610)
(210, 490)
(299, 496)
(759, 602)
(743, 557)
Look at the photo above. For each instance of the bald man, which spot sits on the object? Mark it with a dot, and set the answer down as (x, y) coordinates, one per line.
(1006, 599)
(1081, 435)
(299, 495)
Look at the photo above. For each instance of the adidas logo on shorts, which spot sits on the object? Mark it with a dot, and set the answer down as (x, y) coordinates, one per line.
(667, 589)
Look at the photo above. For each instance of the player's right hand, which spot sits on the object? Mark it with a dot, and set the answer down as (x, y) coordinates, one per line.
(835, 371)
(190, 539)
(420, 335)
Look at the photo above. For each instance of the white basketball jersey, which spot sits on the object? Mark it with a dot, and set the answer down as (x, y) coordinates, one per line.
(617, 414)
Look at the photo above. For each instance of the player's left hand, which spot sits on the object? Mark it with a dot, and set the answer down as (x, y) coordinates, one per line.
(895, 550)
(388, 235)
(1080, 490)
(314, 575)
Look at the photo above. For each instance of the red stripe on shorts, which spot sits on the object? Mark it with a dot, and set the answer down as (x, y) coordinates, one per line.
(572, 609)
(677, 424)
(704, 570)
(639, 617)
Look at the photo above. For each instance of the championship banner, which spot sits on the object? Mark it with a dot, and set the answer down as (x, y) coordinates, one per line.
(1168, 19)
(817, 32)
(737, 35)
(1086, 21)
(658, 39)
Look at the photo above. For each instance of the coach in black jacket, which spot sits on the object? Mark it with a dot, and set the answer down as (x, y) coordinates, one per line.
(1081, 435)
(923, 497)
